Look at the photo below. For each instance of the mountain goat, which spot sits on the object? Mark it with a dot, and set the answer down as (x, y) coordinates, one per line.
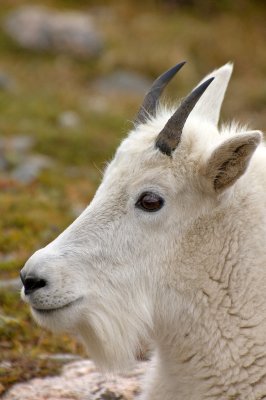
(171, 251)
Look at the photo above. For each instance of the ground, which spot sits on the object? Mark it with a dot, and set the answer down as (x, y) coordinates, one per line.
(140, 37)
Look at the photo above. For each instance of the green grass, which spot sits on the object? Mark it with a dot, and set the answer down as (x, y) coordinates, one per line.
(147, 38)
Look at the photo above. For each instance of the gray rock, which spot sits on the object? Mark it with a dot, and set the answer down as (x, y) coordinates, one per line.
(22, 143)
(30, 168)
(5, 364)
(11, 284)
(97, 103)
(60, 357)
(18, 143)
(41, 29)
(69, 119)
(6, 83)
(123, 81)
(13, 150)
(80, 380)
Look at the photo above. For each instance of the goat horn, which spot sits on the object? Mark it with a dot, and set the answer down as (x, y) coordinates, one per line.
(169, 138)
(148, 107)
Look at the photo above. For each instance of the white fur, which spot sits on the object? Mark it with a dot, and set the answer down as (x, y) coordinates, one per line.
(190, 279)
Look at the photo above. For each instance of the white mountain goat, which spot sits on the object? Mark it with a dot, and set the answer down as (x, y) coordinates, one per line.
(171, 251)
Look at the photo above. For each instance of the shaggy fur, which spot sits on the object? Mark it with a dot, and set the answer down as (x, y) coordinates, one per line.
(190, 279)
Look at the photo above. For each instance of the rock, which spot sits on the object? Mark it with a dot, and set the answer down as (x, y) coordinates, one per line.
(5, 365)
(69, 119)
(6, 83)
(18, 143)
(60, 357)
(11, 284)
(13, 150)
(38, 28)
(97, 103)
(22, 143)
(123, 82)
(30, 168)
(80, 381)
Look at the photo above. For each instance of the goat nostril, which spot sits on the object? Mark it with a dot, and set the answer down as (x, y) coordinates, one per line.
(32, 283)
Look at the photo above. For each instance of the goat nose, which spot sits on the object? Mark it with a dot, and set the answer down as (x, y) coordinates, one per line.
(32, 283)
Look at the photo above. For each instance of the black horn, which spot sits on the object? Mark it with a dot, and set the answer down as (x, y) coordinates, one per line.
(170, 136)
(148, 107)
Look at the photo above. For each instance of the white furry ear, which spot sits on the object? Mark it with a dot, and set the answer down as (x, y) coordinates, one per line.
(229, 161)
(209, 105)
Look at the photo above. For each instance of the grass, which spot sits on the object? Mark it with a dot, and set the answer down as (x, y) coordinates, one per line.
(147, 38)
(22, 343)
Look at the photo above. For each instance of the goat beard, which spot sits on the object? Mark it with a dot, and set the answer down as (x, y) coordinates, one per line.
(113, 340)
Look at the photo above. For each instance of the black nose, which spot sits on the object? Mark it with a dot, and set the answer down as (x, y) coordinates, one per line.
(32, 283)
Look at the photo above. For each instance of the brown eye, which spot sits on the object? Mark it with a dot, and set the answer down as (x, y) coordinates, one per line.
(150, 202)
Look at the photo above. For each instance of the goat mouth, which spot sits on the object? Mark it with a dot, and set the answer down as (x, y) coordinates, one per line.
(53, 310)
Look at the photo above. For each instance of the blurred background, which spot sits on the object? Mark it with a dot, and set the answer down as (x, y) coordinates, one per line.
(72, 75)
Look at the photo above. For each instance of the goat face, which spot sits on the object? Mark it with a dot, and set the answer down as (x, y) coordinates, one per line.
(110, 274)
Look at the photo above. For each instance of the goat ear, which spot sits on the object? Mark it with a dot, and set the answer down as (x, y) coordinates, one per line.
(210, 103)
(229, 161)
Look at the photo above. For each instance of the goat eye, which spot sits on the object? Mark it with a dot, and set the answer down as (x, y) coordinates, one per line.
(150, 202)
